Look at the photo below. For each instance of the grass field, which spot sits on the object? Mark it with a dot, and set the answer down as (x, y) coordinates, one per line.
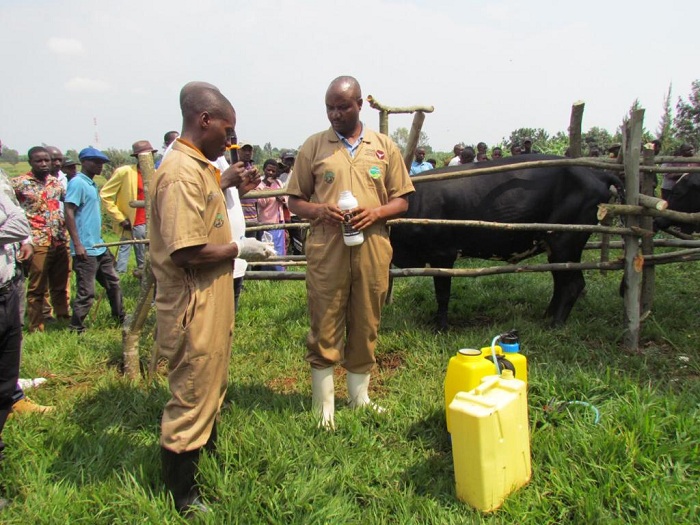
(96, 459)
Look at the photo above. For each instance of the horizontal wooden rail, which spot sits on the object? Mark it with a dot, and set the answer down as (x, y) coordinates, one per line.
(650, 260)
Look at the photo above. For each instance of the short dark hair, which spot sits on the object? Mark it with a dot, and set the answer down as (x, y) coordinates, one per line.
(467, 152)
(37, 149)
(268, 162)
(684, 149)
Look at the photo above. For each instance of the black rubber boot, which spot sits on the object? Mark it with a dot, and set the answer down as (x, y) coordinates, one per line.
(210, 445)
(179, 475)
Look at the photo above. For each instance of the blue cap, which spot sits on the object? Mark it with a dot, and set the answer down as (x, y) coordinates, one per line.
(509, 348)
(92, 153)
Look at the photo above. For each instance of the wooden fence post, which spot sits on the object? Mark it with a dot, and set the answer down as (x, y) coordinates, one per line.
(647, 185)
(132, 333)
(575, 129)
(384, 112)
(384, 122)
(413, 137)
(634, 261)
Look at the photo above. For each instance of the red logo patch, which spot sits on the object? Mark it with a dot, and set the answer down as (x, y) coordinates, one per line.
(380, 154)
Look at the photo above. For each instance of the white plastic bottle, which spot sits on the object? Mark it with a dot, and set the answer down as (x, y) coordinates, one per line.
(268, 239)
(351, 236)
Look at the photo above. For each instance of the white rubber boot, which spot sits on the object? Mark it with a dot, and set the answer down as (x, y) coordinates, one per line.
(323, 396)
(358, 385)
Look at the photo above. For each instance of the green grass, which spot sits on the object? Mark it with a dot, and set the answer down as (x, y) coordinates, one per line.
(96, 459)
(13, 170)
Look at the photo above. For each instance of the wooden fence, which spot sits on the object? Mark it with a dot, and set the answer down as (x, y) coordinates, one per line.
(640, 168)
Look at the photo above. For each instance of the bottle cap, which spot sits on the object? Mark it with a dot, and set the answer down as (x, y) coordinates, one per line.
(469, 352)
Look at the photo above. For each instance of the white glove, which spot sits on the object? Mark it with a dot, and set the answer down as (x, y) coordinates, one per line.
(252, 249)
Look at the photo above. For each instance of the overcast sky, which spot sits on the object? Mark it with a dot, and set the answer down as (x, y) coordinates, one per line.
(488, 67)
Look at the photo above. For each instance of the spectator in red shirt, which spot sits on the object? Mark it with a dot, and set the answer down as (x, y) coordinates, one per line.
(126, 185)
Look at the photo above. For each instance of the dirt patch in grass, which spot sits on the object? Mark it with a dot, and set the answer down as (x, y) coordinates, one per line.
(283, 385)
(390, 362)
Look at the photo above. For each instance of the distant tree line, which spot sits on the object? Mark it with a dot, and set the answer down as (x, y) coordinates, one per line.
(672, 131)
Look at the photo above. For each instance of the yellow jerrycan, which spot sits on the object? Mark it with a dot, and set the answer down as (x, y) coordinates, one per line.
(465, 371)
(490, 441)
(469, 366)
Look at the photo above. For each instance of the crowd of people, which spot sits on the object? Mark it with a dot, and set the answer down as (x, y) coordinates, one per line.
(468, 155)
(51, 221)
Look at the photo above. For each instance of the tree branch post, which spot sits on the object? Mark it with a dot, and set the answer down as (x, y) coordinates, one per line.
(575, 129)
(385, 110)
(647, 184)
(384, 122)
(132, 332)
(634, 260)
(413, 137)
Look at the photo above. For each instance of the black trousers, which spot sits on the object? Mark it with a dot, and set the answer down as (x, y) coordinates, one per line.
(237, 289)
(10, 345)
(86, 271)
(297, 237)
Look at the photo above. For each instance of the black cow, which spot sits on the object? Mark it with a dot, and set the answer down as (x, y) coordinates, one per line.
(685, 197)
(562, 195)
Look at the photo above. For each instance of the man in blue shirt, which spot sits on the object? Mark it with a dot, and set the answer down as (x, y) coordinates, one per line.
(420, 164)
(84, 222)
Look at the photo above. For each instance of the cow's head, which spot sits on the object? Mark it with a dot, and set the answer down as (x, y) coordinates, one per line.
(684, 197)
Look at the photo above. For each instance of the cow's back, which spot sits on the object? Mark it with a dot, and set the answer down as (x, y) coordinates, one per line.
(556, 195)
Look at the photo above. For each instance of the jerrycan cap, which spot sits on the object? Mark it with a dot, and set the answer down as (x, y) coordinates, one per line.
(510, 342)
(469, 352)
(513, 348)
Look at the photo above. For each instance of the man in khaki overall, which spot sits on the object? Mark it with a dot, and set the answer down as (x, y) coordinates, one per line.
(192, 254)
(346, 286)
